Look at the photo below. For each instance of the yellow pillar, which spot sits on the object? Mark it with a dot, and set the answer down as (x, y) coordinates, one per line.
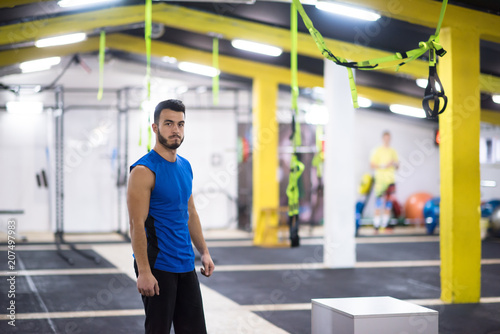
(460, 240)
(265, 215)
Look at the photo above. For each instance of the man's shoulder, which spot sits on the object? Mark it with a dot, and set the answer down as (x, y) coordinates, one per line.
(183, 160)
(148, 160)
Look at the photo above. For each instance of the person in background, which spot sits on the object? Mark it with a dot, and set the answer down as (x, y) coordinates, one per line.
(384, 161)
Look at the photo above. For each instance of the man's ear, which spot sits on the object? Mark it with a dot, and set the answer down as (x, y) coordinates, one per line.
(155, 128)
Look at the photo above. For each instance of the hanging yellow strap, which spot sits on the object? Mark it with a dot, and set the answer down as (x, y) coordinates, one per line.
(147, 35)
(215, 64)
(396, 60)
(102, 54)
(296, 138)
(150, 135)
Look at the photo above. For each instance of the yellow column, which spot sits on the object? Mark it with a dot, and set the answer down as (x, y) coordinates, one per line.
(459, 154)
(265, 215)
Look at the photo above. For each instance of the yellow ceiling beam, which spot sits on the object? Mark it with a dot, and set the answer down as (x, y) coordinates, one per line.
(15, 56)
(230, 65)
(196, 21)
(426, 13)
(386, 97)
(14, 3)
(65, 24)
(204, 23)
(490, 116)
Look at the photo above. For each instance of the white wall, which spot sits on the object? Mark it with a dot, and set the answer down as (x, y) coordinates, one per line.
(23, 143)
(90, 171)
(491, 171)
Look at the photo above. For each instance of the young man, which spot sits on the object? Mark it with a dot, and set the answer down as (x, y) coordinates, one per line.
(384, 161)
(163, 222)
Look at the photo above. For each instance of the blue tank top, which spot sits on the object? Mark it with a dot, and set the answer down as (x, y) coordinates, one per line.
(169, 242)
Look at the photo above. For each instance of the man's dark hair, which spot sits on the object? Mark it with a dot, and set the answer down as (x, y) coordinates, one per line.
(386, 132)
(172, 104)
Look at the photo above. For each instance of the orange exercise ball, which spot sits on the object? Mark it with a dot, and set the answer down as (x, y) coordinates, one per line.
(414, 206)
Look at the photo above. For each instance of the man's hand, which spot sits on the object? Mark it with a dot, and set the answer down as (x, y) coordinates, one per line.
(208, 265)
(148, 285)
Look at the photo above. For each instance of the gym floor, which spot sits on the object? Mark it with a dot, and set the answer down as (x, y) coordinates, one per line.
(253, 290)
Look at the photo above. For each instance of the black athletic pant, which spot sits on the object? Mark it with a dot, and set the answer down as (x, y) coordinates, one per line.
(179, 302)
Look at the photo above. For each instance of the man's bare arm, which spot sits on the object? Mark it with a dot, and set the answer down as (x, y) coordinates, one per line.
(140, 185)
(197, 237)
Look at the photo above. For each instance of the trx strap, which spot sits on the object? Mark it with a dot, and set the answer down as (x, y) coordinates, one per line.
(296, 167)
(318, 158)
(147, 35)
(296, 135)
(215, 64)
(102, 55)
(292, 192)
(401, 58)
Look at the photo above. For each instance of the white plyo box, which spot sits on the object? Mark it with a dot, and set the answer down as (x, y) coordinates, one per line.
(371, 315)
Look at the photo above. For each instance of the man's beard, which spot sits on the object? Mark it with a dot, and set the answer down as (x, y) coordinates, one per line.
(166, 144)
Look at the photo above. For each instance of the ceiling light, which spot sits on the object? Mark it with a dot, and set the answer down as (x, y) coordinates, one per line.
(181, 90)
(345, 10)
(74, 3)
(496, 98)
(61, 40)
(39, 64)
(407, 111)
(422, 83)
(264, 49)
(169, 60)
(198, 69)
(488, 183)
(24, 107)
(363, 102)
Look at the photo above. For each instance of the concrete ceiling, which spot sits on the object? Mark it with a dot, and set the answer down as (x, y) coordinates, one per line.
(387, 35)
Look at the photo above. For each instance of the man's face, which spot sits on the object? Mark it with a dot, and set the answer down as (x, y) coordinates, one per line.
(170, 129)
(386, 138)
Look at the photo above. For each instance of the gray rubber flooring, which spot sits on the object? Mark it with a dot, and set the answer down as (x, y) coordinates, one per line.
(95, 292)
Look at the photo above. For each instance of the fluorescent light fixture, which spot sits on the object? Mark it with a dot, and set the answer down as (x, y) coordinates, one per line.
(61, 40)
(496, 98)
(264, 49)
(169, 60)
(181, 90)
(198, 69)
(74, 3)
(364, 102)
(346, 10)
(24, 107)
(422, 83)
(316, 114)
(39, 64)
(488, 183)
(407, 111)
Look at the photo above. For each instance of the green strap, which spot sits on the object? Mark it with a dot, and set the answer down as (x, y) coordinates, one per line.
(215, 64)
(296, 137)
(150, 135)
(102, 55)
(292, 190)
(441, 17)
(317, 160)
(296, 167)
(147, 35)
(431, 44)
